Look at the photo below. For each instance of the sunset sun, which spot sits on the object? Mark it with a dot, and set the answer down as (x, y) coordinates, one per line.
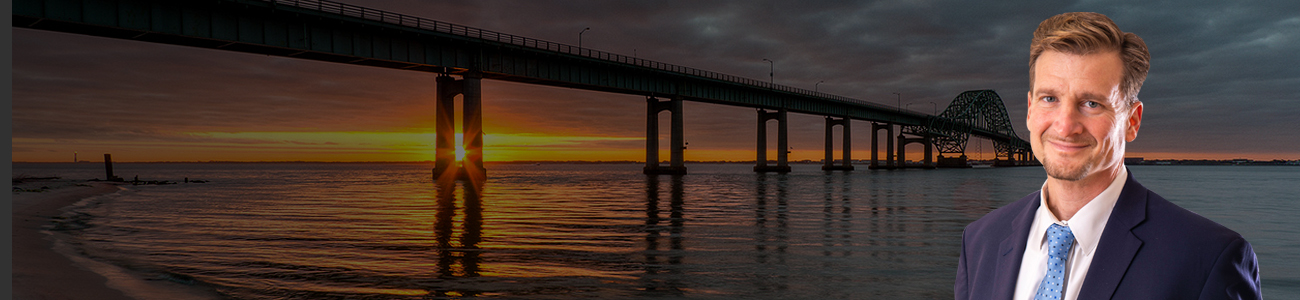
(460, 147)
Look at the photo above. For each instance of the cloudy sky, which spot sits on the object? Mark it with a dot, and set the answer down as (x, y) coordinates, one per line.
(1224, 82)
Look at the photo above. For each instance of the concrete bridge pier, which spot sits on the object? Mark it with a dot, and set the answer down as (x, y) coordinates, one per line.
(847, 161)
(445, 125)
(782, 144)
(902, 151)
(875, 146)
(472, 126)
(676, 164)
(445, 164)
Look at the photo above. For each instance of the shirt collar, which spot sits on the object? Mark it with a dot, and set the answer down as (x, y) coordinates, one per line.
(1088, 223)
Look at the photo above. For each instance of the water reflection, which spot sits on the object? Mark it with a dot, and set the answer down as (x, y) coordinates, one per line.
(771, 236)
(973, 198)
(837, 215)
(353, 231)
(458, 250)
(887, 221)
(671, 282)
(775, 238)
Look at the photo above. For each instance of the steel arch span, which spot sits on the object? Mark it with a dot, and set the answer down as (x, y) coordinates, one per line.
(981, 113)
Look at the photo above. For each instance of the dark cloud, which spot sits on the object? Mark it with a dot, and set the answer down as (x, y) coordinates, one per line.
(1223, 77)
(64, 89)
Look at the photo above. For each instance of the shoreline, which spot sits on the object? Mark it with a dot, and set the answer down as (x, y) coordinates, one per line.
(45, 266)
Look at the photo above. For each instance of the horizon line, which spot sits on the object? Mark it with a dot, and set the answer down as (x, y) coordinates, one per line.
(571, 161)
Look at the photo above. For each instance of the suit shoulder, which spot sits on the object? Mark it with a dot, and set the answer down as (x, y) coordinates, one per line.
(1165, 217)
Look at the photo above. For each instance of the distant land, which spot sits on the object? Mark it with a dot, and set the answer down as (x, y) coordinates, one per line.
(1208, 162)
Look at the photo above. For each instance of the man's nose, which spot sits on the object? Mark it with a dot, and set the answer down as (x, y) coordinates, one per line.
(1068, 121)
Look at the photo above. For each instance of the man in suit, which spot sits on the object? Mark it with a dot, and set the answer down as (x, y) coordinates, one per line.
(1092, 231)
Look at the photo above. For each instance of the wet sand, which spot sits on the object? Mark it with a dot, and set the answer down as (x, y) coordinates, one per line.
(44, 267)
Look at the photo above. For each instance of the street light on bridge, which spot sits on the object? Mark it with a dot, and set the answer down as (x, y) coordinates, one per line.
(580, 36)
(771, 67)
(935, 107)
(900, 102)
(815, 85)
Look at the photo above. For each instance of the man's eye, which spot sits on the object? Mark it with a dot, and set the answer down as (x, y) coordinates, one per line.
(1092, 104)
(1049, 99)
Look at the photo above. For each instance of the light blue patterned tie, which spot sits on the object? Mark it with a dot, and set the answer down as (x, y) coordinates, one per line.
(1060, 239)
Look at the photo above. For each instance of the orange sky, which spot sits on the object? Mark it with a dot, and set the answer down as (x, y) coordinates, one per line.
(381, 146)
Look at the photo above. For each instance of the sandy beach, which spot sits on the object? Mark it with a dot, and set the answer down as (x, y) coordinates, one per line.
(44, 267)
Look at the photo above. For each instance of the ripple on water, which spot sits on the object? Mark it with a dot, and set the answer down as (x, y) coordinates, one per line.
(552, 231)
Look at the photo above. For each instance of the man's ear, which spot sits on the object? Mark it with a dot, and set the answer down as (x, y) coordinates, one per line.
(1134, 122)
(1029, 103)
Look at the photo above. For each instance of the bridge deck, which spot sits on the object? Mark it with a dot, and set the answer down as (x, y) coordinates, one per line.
(336, 32)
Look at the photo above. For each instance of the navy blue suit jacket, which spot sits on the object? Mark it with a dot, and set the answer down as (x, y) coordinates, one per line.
(1150, 249)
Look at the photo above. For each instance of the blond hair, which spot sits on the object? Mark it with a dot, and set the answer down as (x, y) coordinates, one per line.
(1081, 33)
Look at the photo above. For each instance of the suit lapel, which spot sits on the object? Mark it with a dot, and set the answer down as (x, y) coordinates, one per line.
(1118, 244)
(1012, 250)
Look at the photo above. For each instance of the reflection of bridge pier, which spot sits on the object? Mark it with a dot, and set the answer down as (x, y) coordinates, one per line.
(470, 89)
(875, 146)
(458, 257)
(763, 214)
(670, 284)
(678, 145)
(782, 144)
(837, 227)
(829, 163)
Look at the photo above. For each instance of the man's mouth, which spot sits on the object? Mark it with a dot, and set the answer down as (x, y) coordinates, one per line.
(1067, 146)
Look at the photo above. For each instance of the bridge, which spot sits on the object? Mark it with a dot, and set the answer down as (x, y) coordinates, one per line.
(464, 56)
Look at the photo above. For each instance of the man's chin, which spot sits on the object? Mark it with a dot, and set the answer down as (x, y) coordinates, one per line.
(1066, 173)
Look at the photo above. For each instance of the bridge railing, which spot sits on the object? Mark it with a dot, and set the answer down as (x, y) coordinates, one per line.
(466, 31)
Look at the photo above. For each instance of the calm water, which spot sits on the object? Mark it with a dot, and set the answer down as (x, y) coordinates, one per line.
(385, 231)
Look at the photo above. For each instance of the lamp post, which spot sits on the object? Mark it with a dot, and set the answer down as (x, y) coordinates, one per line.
(933, 105)
(580, 36)
(771, 67)
(815, 85)
(900, 101)
(935, 108)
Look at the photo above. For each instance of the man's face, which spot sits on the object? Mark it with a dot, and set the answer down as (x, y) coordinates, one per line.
(1078, 119)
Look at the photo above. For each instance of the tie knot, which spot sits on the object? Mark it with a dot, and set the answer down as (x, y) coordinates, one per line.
(1060, 236)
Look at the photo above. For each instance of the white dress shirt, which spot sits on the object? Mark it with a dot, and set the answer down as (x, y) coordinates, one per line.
(1087, 225)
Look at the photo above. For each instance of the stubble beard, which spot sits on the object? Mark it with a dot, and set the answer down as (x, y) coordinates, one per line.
(1059, 171)
(1061, 168)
